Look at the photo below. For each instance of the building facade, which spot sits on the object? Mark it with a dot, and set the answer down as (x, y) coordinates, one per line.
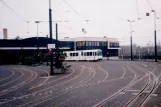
(109, 46)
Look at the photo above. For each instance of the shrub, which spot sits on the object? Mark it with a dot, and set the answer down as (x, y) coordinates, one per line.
(29, 61)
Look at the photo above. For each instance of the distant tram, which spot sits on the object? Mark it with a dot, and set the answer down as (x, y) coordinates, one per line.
(84, 55)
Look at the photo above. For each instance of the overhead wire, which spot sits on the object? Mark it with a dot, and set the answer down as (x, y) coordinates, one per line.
(137, 7)
(13, 10)
(149, 4)
(73, 9)
(138, 18)
(159, 23)
(16, 14)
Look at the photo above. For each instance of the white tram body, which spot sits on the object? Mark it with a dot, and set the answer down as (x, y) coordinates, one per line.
(84, 55)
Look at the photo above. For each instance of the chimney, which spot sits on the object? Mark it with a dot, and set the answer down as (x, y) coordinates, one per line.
(5, 33)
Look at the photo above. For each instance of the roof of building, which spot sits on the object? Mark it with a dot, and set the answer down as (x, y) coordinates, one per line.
(31, 42)
(91, 39)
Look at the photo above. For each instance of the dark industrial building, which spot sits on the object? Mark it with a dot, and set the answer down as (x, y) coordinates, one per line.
(12, 49)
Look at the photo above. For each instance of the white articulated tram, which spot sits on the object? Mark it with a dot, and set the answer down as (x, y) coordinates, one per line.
(84, 55)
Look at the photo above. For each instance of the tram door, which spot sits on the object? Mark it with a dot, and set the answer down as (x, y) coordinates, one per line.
(94, 55)
(83, 56)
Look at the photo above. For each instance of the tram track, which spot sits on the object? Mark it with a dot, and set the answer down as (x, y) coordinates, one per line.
(61, 92)
(133, 82)
(140, 99)
(12, 74)
(45, 89)
(136, 84)
(31, 78)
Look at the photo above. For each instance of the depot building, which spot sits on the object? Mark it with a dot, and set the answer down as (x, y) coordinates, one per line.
(12, 48)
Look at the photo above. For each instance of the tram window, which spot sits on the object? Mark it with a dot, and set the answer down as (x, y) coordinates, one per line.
(85, 54)
(65, 54)
(90, 53)
(95, 54)
(73, 54)
(76, 54)
(82, 53)
(100, 53)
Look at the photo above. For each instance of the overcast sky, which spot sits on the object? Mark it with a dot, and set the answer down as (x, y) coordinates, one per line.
(106, 18)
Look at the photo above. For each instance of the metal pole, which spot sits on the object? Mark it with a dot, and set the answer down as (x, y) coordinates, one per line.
(37, 37)
(51, 38)
(139, 55)
(155, 38)
(131, 38)
(131, 41)
(56, 37)
(47, 49)
(131, 50)
(47, 42)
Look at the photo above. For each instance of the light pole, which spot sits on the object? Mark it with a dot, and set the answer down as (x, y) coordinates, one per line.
(85, 42)
(155, 36)
(84, 30)
(148, 44)
(130, 21)
(122, 49)
(56, 37)
(37, 22)
(139, 54)
(51, 38)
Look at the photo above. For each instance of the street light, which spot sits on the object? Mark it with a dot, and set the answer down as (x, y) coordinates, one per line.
(51, 39)
(84, 30)
(130, 21)
(37, 22)
(155, 38)
(122, 48)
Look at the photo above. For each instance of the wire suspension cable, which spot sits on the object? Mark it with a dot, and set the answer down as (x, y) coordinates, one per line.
(150, 5)
(136, 25)
(137, 8)
(73, 9)
(13, 10)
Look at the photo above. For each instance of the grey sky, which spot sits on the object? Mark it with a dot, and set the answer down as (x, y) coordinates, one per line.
(107, 18)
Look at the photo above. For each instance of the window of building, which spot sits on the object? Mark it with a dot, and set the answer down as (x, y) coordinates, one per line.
(82, 43)
(100, 44)
(77, 43)
(90, 43)
(97, 43)
(87, 44)
(116, 45)
(105, 43)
